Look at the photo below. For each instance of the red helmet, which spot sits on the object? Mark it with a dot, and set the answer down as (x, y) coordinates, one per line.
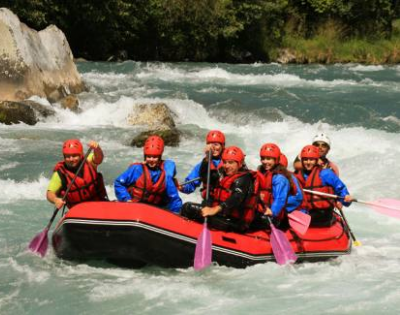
(270, 150)
(72, 146)
(283, 160)
(233, 153)
(215, 136)
(309, 151)
(154, 145)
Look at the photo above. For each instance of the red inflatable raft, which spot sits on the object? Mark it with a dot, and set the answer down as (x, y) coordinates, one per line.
(134, 235)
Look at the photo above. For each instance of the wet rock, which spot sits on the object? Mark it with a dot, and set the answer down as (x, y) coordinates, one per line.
(153, 116)
(71, 102)
(15, 113)
(28, 112)
(35, 63)
(158, 119)
(39, 109)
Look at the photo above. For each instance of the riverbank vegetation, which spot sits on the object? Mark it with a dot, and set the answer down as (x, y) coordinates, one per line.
(303, 31)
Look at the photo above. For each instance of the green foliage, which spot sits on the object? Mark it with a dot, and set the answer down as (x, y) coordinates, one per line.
(209, 30)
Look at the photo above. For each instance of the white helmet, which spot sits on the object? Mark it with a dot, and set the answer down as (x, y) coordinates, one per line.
(323, 138)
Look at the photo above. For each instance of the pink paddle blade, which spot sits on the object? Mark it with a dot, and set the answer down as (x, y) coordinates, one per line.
(283, 251)
(39, 243)
(299, 221)
(389, 207)
(203, 252)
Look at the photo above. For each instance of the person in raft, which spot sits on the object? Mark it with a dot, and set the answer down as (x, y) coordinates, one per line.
(314, 177)
(232, 207)
(323, 143)
(151, 181)
(273, 184)
(215, 141)
(296, 199)
(88, 184)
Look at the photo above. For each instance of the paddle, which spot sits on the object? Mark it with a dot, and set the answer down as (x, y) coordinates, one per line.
(319, 193)
(390, 207)
(283, 251)
(39, 243)
(203, 252)
(299, 221)
(190, 181)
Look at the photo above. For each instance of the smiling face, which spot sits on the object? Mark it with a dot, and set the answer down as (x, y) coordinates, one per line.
(72, 160)
(268, 163)
(152, 160)
(323, 148)
(309, 163)
(216, 149)
(231, 167)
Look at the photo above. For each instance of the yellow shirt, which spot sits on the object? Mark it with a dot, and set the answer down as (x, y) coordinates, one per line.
(55, 183)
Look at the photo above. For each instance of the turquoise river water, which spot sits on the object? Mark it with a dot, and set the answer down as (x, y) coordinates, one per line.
(357, 106)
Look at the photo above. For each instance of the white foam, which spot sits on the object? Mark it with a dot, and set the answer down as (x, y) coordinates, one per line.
(363, 68)
(14, 191)
(218, 76)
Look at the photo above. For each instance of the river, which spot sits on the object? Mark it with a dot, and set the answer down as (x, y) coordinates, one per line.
(357, 106)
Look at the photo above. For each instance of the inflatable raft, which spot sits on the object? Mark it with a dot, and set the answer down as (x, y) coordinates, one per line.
(135, 235)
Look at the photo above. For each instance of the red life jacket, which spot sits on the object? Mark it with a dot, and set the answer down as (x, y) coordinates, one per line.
(144, 190)
(264, 191)
(88, 185)
(204, 188)
(314, 182)
(223, 192)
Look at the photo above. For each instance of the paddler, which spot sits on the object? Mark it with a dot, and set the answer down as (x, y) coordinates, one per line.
(151, 181)
(273, 184)
(232, 206)
(316, 178)
(87, 186)
(215, 141)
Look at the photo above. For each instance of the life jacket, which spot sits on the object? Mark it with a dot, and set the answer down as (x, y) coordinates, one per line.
(213, 168)
(221, 193)
(88, 185)
(144, 190)
(264, 191)
(314, 183)
(329, 164)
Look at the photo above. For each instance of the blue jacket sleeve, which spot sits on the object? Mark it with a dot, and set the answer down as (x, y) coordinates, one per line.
(191, 187)
(174, 202)
(170, 168)
(328, 177)
(294, 201)
(280, 191)
(123, 181)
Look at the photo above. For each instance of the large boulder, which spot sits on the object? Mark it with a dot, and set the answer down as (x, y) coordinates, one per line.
(35, 63)
(157, 119)
(152, 116)
(28, 112)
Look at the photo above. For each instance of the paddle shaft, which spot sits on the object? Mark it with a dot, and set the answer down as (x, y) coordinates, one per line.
(69, 188)
(355, 200)
(355, 241)
(208, 176)
(191, 181)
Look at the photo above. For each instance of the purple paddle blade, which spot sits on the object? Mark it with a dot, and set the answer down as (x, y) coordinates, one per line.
(203, 252)
(299, 221)
(389, 207)
(283, 251)
(39, 243)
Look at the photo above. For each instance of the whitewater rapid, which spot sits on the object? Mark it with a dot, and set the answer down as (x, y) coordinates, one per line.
(252, 104)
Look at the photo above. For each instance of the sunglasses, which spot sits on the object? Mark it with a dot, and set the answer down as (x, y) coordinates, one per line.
(320, 144)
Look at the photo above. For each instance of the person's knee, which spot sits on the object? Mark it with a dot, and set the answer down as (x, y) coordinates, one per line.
(191, 211)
